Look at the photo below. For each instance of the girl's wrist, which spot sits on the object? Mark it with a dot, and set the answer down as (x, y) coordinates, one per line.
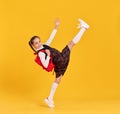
(56, 27)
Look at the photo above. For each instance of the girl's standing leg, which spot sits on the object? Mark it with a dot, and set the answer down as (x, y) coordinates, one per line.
(84, 26)
(54, 87)
(49, 101)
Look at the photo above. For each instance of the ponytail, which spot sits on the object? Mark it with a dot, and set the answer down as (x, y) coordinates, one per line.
(32, 47)
(31, 42)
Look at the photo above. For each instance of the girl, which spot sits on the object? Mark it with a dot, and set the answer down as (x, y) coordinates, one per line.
(50, 58)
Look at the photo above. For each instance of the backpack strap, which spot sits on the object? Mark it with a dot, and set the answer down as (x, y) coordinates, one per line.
(46, 46)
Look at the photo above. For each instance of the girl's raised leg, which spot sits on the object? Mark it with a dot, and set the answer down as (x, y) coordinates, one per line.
(84, 26)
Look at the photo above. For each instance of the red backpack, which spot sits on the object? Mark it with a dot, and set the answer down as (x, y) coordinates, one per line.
(38, 61)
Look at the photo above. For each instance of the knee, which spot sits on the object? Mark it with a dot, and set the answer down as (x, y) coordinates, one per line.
(71, 44)
(58, 80)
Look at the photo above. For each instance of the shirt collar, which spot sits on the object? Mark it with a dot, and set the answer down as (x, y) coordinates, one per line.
(40, 48)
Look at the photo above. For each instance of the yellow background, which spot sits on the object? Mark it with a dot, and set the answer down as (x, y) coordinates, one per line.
(93, 72)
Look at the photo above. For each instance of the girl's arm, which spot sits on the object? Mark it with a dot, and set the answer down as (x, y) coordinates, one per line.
(53, 32)
(44, 61)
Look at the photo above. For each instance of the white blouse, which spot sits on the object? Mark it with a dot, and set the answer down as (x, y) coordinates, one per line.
(42, 55)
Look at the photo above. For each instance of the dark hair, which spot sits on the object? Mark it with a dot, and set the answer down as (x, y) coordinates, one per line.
(31, 42)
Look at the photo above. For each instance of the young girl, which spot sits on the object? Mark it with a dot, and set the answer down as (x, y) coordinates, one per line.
(49, 58)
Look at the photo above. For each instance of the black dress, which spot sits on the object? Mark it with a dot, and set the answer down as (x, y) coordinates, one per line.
(60, 59)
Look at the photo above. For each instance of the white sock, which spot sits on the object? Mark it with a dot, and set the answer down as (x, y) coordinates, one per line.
(52, 91)
(79, 35)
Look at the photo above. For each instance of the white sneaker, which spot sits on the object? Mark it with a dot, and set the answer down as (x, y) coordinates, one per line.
(50, 100)
(83, 24)
(49, 103)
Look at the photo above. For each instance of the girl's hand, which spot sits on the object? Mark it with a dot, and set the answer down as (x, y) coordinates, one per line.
(48, 52)
(57, 22)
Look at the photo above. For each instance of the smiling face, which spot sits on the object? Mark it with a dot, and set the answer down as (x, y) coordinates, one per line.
(36, 43)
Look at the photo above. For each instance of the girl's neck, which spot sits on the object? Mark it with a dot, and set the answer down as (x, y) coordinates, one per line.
(40, 47)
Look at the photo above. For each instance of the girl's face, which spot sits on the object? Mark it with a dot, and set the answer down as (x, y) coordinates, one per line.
(37, 43)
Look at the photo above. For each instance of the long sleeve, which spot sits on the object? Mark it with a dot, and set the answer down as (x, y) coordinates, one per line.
(44, 61)
(51, 37)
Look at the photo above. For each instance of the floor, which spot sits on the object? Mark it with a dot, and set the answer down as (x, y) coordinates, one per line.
(30, 105)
